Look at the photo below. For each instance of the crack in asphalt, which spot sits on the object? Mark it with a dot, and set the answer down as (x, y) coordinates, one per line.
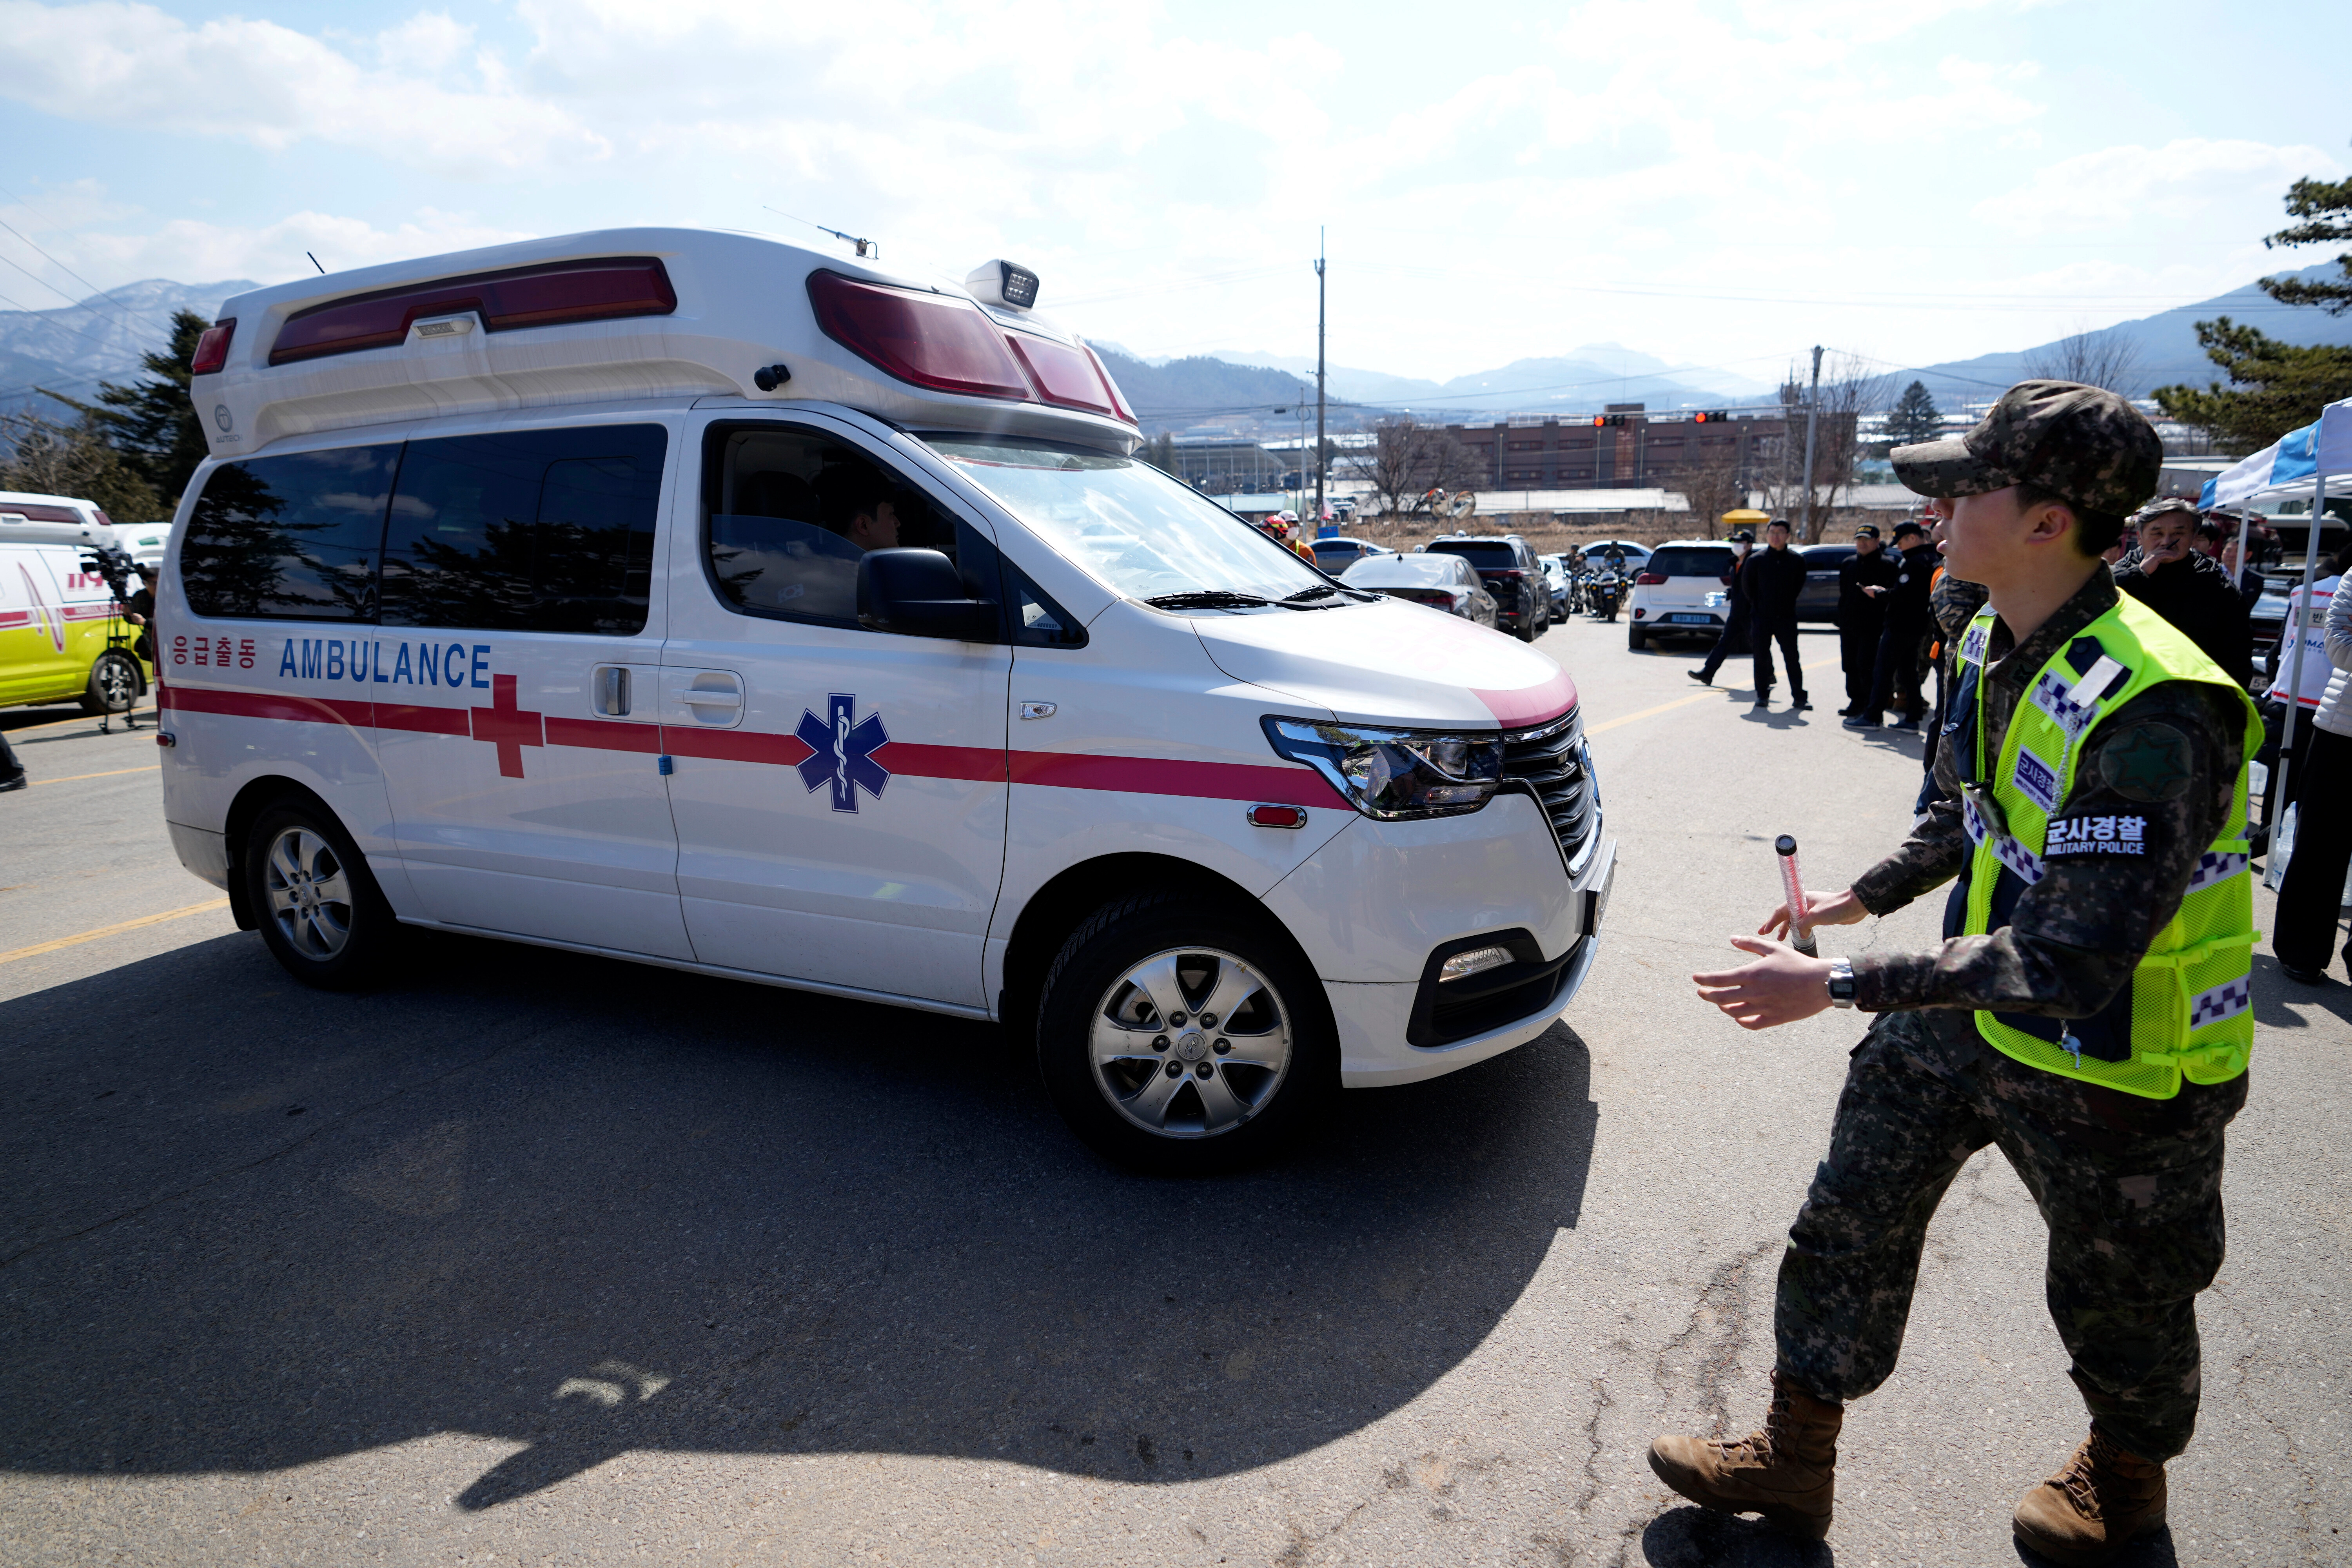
(1722, 1305)
(312, 1136)
(2305, 1525)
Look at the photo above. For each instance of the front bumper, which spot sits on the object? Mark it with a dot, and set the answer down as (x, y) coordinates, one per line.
(1371, 906)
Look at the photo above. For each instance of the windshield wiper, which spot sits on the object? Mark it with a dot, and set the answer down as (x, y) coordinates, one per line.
(1320, 590)
(1208, 599)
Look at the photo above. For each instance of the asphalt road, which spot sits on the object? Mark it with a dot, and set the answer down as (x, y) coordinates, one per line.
(529, 1257)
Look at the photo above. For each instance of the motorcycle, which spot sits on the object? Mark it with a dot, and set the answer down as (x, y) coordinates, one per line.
(1604, 593)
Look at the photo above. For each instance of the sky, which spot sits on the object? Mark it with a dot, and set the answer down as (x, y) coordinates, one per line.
(1721, 185)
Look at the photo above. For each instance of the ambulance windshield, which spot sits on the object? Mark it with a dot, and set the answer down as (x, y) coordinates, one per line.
(1140, 531)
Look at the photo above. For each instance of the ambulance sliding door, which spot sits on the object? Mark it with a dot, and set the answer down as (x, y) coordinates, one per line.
(514, 678)
(839, 793)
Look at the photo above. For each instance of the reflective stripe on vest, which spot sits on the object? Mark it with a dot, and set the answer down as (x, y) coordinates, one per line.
(2187, 1011)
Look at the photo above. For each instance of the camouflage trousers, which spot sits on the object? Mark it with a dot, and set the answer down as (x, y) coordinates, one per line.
(2130, 1189)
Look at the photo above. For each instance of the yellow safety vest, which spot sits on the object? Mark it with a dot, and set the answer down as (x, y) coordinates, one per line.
(2188, 1012)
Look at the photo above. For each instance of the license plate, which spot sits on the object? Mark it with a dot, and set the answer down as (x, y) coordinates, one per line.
(1692, 620)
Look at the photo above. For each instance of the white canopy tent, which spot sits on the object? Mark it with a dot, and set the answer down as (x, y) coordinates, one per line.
(2295, 467)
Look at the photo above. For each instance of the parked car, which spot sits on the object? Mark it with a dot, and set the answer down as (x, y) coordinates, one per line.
(1819, 602)
(1506, 567)
(1562, 585)
(1635, 554)
(1335, 555)
(1441, 581)
(1672, 591)
(895, 676)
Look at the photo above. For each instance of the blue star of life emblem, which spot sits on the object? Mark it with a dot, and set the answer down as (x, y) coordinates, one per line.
(841, 751)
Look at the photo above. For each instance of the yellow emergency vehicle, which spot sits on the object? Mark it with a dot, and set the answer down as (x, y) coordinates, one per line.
(62, 634)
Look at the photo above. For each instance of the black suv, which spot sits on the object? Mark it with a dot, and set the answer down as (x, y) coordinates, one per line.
(1509, 570)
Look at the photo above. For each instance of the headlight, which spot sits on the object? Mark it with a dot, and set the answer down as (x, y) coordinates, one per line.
(1395, 773)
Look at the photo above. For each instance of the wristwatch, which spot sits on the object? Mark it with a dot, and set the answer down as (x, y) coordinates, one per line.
(1841, 983)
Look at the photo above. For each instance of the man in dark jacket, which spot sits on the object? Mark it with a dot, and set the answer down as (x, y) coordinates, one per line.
(1774, 577)
(1894, 677)
(2188, 587)
(1861, 616)
(1734, 636)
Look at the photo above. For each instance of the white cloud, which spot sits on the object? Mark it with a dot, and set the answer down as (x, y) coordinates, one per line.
(2173, 185)
(123, 64)
(186, 248)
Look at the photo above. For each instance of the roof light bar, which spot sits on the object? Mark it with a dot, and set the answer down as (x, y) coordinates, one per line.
(212, 348)
(601, 288)
(1117, 399)
(932, 340)
(1064, 374)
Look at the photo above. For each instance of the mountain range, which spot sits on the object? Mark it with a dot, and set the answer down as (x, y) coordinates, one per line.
(72, 349)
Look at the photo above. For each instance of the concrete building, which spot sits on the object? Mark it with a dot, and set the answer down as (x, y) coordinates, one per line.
(1625, 446)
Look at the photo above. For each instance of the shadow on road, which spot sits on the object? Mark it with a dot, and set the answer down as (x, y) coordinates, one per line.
(1695, 1538)
(590, 1207)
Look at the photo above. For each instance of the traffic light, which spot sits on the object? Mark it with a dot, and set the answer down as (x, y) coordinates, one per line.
(1599, 419)
(1710, 416)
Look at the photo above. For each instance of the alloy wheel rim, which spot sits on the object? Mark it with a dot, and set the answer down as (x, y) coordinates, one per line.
(114, 684)
(310, 893)
(1190, 1043)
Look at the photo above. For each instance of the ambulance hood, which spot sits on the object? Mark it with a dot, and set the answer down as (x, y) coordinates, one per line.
(1391, 663)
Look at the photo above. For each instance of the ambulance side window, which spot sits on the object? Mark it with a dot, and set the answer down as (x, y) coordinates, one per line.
(787, 513)
(549, 530)
(290, 538)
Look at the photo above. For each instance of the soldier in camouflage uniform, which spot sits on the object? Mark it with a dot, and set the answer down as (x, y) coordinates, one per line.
(2128, 1183)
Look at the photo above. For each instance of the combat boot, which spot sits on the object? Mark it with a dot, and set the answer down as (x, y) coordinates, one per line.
(2093, 1508)
(1786, 1472)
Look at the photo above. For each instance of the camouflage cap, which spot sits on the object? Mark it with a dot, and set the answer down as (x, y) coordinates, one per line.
(2084, 443)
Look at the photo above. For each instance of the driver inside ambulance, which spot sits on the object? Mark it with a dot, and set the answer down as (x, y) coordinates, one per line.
(857, 503)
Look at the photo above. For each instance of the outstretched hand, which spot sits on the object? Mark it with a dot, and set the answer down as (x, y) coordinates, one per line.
(1820, 910)
(1782, 986)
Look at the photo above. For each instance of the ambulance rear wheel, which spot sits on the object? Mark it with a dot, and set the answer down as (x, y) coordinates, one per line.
(1178, 1040)
(113, 684)
(321, 912)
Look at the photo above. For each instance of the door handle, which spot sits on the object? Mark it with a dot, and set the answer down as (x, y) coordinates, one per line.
(609, 689)
(713, 698)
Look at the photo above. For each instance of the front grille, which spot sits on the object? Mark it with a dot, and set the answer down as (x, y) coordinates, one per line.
(1550, 763)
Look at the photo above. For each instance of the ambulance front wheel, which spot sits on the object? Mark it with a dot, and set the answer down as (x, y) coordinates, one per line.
(321, 912)
(1179, 1039)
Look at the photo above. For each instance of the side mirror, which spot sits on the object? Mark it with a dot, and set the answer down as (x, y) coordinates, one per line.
(919, 593)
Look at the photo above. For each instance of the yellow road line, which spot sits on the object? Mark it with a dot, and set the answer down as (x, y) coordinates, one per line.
(41, 947)
(111, 773)
(148, 711)
(1652, 712)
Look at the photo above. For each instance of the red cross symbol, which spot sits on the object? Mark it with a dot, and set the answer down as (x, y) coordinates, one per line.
(508, 727)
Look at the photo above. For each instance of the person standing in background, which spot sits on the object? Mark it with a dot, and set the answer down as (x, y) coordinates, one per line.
(1775, 579)
(2187, 587)
(12, 772)
(1860, 617)
(1894, 677)
(1734, 636)
(2314, 889)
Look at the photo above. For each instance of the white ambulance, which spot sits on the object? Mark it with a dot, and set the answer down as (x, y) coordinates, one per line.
(704, 601)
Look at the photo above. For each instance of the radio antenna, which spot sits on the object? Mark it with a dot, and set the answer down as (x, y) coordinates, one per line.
(866, 248)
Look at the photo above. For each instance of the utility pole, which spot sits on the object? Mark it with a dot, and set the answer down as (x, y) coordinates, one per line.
(1812, 420)
(1319, 248)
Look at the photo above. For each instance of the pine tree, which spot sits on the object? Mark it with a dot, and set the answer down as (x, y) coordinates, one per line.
(2288, 385)
(2329, 209)
(1914, 418)
(152, 422)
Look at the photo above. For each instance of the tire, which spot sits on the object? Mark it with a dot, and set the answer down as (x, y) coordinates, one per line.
(1526, 629)
(321, 913)
(113, 685)
(1124, 974)
(1636, 638)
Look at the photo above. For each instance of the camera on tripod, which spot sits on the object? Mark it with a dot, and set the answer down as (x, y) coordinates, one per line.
(114, 565)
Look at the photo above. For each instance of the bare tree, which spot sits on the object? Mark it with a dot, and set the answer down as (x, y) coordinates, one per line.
(46, 457)
(2095, 359)
(1407, 459)
(1848, 391)
(1711, 482)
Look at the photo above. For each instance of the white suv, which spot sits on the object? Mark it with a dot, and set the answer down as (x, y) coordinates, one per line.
(1680, 591)
(706, 602)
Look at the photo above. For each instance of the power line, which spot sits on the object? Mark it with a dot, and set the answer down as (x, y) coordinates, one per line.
(96, 291)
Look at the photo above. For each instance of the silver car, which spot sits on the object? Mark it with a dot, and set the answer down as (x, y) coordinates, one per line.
(1442, 581)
